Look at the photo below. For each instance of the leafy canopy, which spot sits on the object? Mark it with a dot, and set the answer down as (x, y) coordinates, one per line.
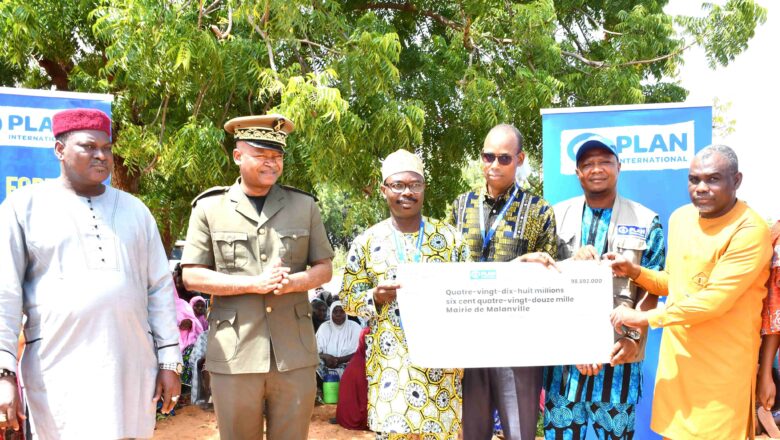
(360, 79)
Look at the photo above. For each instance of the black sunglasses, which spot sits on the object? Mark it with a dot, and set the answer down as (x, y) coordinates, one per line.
(503, 159)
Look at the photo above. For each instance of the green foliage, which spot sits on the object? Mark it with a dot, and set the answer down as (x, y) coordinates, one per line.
(359, 79)
(725, 31)
(722, 125)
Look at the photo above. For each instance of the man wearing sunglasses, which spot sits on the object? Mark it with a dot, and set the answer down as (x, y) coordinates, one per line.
(402, 397)
(501, 222)
(589, 226)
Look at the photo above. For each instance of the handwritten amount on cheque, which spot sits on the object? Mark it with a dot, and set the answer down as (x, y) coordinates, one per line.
(492, 300)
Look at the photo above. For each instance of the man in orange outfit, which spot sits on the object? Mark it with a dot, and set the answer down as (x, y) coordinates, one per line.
(715, 281)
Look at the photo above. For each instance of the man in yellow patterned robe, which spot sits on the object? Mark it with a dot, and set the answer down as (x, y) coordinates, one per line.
(404, 401)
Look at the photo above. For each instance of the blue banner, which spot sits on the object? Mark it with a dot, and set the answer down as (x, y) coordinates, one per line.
(26, 140)
(656, 143)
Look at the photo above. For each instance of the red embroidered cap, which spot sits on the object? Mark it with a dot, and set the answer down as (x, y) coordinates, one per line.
(80, 119)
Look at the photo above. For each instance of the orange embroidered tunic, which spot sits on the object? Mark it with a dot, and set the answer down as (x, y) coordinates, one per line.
(715, 276)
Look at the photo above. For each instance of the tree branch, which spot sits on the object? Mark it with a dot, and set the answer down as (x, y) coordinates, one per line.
(595, 24)
(200, 14)
(311, 43)
(598, 64)
(201, 94)
(572, 37)
(151, 165)
(658, 58)
(222, 35)
(212, 7)
(162, 122)
(467, 35)
(409, 7)
(305, 67)
(266, 13)
(604, 64)
(227, 107)
(265, 39)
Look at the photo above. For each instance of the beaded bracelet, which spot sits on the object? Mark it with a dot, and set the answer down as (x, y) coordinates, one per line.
(5, 373)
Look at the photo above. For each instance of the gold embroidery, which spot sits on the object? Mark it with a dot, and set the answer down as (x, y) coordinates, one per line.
(700, 279)
(262, 134)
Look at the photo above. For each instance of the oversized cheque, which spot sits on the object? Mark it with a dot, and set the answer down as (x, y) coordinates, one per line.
(506, 314)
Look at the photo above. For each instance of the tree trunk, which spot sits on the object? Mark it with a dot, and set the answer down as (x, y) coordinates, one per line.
(123, 177)
(166, 233)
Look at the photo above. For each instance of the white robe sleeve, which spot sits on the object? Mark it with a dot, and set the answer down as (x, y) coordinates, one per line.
(161, 306)
(13, 266)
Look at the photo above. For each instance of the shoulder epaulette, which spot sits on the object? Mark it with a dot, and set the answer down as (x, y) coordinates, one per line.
(301, 192)
(210, 192)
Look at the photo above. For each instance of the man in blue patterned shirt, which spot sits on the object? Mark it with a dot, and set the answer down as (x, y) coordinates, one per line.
(601, 221)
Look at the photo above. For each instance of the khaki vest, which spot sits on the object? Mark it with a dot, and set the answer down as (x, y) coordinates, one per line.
(629, 227)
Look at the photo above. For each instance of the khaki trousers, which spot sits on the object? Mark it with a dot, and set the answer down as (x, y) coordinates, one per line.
(287, 398)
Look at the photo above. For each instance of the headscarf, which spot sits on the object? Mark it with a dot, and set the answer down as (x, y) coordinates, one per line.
(204, 322)
(338, 340)
(184, 311)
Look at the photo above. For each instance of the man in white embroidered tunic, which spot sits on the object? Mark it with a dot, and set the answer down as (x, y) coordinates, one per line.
(85, 264)
(404, 401)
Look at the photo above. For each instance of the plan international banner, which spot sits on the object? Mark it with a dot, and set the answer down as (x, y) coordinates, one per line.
(26, 140)
(656, 143)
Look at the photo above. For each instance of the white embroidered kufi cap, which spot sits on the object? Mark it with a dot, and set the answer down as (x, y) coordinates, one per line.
(401, 161)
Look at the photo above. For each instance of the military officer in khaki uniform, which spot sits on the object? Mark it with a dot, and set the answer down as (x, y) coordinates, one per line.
(257, 247)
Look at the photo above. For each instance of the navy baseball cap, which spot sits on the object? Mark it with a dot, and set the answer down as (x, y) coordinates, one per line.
(595, 141)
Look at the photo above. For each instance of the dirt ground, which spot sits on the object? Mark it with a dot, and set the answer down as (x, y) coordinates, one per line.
(192, 423)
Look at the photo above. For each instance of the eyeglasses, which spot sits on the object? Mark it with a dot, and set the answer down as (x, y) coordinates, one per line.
(401, 187)
(503, 159)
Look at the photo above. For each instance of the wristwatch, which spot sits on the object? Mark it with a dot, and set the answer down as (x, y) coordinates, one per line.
(176, 367)
(631, 333)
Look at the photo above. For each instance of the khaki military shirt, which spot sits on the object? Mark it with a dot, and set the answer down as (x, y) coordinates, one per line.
(228, 235)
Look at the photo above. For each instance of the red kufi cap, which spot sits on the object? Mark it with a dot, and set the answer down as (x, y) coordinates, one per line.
(80, 119)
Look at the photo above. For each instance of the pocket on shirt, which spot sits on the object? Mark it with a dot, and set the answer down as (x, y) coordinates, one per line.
(232, 249)
(223, 335)
(305, 328)
(295, 245)
(698, 275)
(631, 248)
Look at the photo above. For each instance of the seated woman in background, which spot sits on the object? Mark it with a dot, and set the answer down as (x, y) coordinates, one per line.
(337, 341)
(198, 305)
(189, 330)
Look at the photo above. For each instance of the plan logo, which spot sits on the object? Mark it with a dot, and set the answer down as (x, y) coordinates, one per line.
(483, 274)
(630, 230)
(640, 147)
(26, 127)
